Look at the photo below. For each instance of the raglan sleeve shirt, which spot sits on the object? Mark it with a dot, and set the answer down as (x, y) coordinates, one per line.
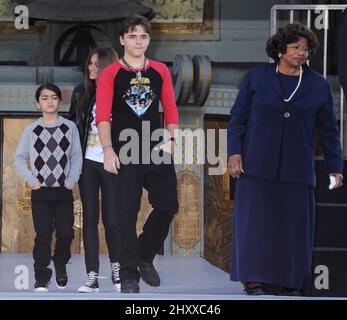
(168, 98)
(105, 92)
(104, 95)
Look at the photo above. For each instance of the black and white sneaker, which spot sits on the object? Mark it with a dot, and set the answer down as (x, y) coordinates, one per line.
(61, 278)
(92, 284)
(41, 286)
(115, 267)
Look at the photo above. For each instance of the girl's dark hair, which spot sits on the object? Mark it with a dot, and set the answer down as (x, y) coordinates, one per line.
(130, 23)
(290, 34)
(106, 56)
(49, 86)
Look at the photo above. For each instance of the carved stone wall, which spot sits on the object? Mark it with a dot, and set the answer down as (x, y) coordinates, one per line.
(173, 11)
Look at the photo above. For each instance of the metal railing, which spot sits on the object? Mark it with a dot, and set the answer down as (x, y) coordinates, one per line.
(323, 14)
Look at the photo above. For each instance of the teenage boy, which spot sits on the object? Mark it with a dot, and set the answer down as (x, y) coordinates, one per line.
(134, 75)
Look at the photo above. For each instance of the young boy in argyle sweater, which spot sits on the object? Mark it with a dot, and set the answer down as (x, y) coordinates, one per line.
(51, 145)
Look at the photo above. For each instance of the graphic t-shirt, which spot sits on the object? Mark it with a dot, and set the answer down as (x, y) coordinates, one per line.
(139, 96)
(132, 97)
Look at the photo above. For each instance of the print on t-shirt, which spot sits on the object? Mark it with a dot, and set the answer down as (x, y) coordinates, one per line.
(140, 96)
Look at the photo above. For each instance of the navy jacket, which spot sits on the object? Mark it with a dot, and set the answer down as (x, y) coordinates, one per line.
(276, 138)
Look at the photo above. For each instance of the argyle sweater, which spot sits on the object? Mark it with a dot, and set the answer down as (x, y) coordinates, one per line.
(53, 151)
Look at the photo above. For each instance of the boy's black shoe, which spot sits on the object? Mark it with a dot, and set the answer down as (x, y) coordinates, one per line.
(130, 286)
(149, 274)
(41, 285)
(61, 278)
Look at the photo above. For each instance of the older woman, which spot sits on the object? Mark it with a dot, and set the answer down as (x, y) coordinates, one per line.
(271, 134)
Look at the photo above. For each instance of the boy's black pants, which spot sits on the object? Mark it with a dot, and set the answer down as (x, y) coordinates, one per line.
(52, 209)
(161, 183)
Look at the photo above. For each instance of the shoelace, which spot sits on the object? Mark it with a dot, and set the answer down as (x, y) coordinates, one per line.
(115, 270)
(92, 277)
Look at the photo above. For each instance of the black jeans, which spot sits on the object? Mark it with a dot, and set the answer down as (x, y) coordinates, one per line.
(52, 208)
(93, 178)
(161, 183)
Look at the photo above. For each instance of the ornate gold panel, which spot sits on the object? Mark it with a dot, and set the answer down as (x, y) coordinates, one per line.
(186, 224)
(217, 210)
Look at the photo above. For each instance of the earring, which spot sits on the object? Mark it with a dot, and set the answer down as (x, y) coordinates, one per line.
(280, 55)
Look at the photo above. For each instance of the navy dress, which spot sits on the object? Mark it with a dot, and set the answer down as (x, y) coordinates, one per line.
(273, 226)
(273, 232)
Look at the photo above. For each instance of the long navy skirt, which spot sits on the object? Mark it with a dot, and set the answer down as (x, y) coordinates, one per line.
(273, 229)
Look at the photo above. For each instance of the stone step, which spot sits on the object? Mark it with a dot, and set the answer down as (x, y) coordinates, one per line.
(36, 75)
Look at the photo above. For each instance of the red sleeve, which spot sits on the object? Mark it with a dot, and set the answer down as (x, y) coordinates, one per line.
(104, 93)
(167, 97)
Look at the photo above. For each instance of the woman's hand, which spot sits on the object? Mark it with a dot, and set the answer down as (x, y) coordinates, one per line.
(235, 165)
(338, 178)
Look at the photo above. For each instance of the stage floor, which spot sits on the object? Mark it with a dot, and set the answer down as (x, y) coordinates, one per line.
(182, 278)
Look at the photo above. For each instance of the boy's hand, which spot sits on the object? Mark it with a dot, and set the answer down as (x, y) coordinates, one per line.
(36, 185)
(167, 147)
(111, 161)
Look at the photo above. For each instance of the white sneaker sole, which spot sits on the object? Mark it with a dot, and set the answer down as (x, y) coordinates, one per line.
(41, 290)
(58, 286)
(118, 287)
(85, 289)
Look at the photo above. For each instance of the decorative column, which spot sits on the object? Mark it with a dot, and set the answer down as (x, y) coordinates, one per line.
(192, 80)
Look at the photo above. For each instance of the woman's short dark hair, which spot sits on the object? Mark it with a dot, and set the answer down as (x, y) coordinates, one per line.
(130, 23)
(291, 34)
(49, 86)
